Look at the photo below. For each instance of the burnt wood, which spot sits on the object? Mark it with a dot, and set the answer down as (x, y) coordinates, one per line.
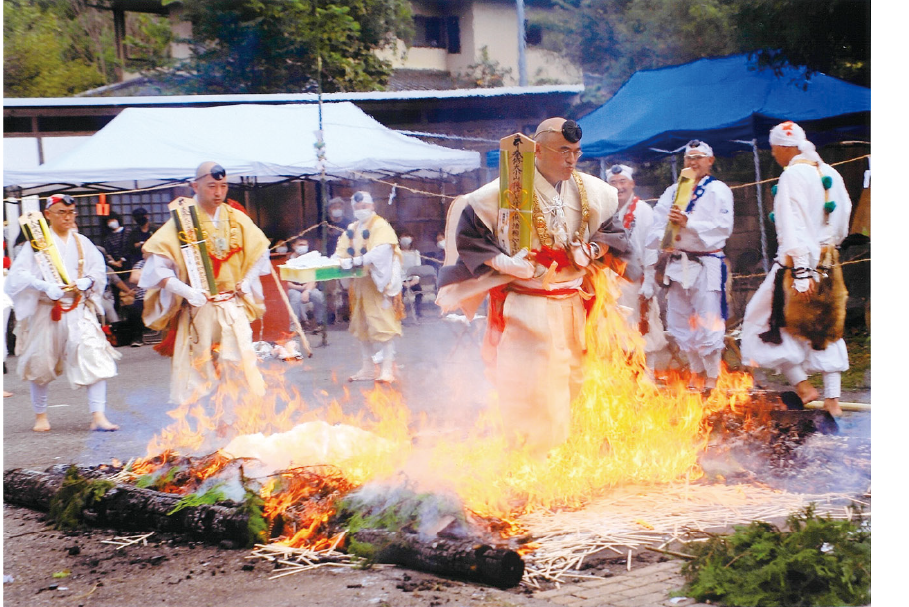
(126, 507)
(460, 558)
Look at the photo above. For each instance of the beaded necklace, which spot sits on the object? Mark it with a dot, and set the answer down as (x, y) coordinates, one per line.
(539, 221)
(222, 247)
(350, 237)
(826, 183)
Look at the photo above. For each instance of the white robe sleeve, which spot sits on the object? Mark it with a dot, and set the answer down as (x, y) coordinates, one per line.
(660, 217)
(381, 260)
(710, 223)
(19, 280)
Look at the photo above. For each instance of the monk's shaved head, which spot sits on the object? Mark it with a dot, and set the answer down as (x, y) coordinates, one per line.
(210, 168)
(551, 127)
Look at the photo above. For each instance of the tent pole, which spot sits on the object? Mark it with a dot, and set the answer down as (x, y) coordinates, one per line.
(603, 169)
(760, 205)
(675, 168)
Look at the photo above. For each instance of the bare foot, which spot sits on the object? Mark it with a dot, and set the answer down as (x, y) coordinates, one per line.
(386, 378)
(364, 374)
(832, 405)
(41, 423)
(806, 391)
(100, 423)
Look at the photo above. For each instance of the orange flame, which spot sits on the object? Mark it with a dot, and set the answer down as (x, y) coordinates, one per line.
(626, 428)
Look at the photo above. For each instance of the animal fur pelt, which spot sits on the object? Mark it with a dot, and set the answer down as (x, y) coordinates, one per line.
(820, 318)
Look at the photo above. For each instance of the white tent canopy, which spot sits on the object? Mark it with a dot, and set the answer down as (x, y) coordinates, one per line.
(149, 146)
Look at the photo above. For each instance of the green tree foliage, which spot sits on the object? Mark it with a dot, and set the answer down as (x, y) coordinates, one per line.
(57, 48)
(39, 59)
(279, 46)
(485, 73)
(611, 40)
(832, 37)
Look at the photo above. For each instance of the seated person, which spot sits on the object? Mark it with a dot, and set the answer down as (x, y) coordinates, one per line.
(305, 297)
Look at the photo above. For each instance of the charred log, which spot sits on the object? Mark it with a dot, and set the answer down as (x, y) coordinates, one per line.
(125, 507)
(461, 558)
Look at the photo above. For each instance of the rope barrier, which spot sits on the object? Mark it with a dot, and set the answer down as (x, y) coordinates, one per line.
(367, 177)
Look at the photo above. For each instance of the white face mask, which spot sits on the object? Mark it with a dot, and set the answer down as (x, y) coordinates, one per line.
(281, 249)
(406, 241)
(363, 214)
(441, 244)
(113, 225)
(337, 214)
(302, 249)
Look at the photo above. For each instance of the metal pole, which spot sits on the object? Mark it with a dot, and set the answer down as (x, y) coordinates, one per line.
(522, 45)
(760, 204)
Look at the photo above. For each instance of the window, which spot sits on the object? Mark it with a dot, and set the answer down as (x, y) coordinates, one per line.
(533, 34)
(437, 32)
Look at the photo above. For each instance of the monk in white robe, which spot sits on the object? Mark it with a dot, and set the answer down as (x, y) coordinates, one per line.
(804, 227)
(535, 338)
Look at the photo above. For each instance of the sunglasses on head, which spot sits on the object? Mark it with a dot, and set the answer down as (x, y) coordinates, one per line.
(615, 169)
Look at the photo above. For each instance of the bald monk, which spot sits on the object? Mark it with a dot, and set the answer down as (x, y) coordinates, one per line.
(195, 320)
(535, 335)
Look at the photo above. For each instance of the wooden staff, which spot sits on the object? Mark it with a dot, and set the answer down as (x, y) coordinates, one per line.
(293, 315)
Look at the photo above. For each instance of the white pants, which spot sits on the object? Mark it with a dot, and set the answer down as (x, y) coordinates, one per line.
(793, 357)
(694, 318)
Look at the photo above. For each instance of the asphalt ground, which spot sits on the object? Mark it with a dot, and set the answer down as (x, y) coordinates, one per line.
(438, 365)
(440, 374)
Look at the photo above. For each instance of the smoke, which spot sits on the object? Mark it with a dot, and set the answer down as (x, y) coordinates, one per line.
(812, 463)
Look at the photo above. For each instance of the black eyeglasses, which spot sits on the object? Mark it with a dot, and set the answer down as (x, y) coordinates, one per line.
(694, 143)
(615, 169)
(217, 172)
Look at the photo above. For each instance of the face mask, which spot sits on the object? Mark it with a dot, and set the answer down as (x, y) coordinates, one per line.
(441, 244)
(363, 214)
(281, 249)
(113, 225)
(301, 250)
(337, 214)
(406, 241)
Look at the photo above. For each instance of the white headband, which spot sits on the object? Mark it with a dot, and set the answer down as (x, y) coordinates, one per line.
(789, 134)
(695, 145)
(620, 169)
(360, 197)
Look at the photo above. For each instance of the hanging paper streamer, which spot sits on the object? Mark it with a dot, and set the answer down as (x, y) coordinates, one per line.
(394, 192)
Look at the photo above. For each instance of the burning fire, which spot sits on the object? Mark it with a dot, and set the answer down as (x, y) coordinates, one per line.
(626, 428)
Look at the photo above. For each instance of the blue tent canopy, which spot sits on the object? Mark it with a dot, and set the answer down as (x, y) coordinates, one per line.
(722, 100)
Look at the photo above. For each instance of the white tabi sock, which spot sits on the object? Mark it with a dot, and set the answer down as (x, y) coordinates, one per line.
(832, 385)
(97, 396)
(39, 397)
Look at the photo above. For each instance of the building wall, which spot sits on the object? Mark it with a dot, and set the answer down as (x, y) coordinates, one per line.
(492, 25)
